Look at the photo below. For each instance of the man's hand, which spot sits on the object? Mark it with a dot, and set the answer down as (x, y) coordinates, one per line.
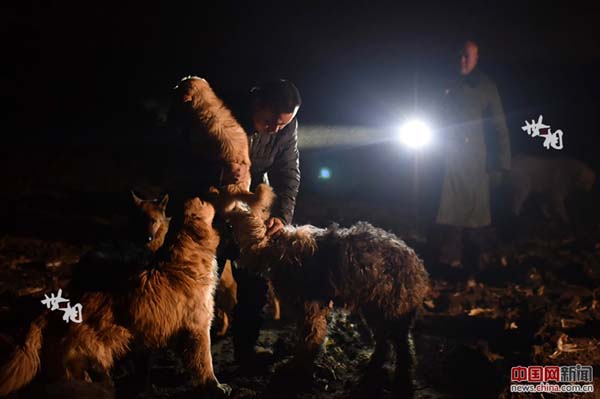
(274, 226)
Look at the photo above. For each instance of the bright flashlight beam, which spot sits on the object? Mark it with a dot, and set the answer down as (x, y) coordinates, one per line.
(322, 136)
(415, 134)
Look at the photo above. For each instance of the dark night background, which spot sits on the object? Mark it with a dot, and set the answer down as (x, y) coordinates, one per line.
(78, 138)
(83, 72)
(85, 66)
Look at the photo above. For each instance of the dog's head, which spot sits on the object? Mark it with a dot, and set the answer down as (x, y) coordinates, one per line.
(197, 209)
(150, 222)
(187, 95)
(190, 89)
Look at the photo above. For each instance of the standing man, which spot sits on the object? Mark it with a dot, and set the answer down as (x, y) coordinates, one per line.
(475, 117)
(273, 137)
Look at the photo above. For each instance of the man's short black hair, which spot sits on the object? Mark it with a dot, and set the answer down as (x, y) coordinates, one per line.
(464, 39)
(280, 94)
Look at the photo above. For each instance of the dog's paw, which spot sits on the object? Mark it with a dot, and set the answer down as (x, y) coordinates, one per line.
(215, 391)
(222, 391)
(195, 208)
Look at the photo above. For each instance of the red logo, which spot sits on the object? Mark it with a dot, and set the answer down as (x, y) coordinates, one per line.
(518, 373)
(552, 373)
(535, 373)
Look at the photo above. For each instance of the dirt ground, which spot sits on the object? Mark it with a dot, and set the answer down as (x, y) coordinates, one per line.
(531, 300)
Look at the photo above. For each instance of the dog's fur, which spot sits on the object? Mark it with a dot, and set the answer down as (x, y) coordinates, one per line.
(362, 268)
(225, 300)
(152, 224)
(214, 129)
(151, 221)
(554, 179)
(175, 296)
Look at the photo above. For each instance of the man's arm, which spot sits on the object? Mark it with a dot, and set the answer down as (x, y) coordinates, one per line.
(498, 122)
(284, 175)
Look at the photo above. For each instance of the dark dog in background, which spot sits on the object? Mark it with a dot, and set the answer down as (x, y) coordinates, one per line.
(553, 179)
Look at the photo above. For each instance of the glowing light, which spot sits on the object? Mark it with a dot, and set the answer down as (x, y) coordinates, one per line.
(325, 174)
(415, 134)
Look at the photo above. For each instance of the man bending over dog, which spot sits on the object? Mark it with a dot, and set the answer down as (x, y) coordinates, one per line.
(271, 124)
(271, 127)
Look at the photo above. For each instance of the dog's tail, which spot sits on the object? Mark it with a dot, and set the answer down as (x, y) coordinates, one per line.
(24, 363)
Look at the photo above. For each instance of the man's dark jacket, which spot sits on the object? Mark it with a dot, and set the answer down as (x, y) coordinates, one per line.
(275, 160)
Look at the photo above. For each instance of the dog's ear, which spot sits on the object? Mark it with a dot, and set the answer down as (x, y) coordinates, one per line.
(137, 200)
(213, 190)
(163, 202)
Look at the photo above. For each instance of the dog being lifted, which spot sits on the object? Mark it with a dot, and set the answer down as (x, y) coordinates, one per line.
(147, 309)
(213, 130)
(362, 268)
(554, 179)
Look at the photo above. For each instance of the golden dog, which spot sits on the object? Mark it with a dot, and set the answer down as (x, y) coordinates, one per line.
(148, 307)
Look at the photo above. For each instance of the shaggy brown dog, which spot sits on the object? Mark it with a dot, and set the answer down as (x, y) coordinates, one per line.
(213, 129)
(362, 268)
(175, 296)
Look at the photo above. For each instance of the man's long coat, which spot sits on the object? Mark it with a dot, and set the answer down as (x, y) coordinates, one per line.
(475, 136)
